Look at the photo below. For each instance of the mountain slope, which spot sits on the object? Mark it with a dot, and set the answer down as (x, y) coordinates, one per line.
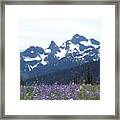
(36, 62)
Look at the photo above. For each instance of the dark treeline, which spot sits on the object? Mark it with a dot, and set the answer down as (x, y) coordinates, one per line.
(88, 73)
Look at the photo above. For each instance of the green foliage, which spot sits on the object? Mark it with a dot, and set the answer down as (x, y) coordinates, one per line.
(89, 92)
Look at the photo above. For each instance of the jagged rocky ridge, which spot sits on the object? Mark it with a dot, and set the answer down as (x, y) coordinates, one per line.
(61, 63)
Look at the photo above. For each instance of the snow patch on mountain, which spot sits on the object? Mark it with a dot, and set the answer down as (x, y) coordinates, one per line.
(74, 47)
(32, 51)
(61, 54)
(43, 59)
(38, 58)
(34, 66)
(47, 50)
(88, 43)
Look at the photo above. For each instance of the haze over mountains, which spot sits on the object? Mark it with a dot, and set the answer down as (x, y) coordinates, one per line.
(61, 63)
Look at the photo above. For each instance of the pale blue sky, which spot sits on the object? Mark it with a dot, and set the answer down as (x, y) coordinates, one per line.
(42, 32)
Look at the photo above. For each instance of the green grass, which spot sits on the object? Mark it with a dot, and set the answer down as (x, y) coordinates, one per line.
(89, 92)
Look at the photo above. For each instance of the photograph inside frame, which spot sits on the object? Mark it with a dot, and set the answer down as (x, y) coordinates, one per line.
(59, 59)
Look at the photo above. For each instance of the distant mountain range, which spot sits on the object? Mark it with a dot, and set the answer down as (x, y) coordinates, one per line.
(47, 65)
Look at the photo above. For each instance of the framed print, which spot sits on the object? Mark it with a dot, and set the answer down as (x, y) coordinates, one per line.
(59, 59)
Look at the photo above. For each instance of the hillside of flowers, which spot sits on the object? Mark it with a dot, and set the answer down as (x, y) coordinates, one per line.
(56, 91)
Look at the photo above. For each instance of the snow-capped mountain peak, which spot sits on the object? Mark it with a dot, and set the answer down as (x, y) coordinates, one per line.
(78, 49)
(77, 39)
(53, 47)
